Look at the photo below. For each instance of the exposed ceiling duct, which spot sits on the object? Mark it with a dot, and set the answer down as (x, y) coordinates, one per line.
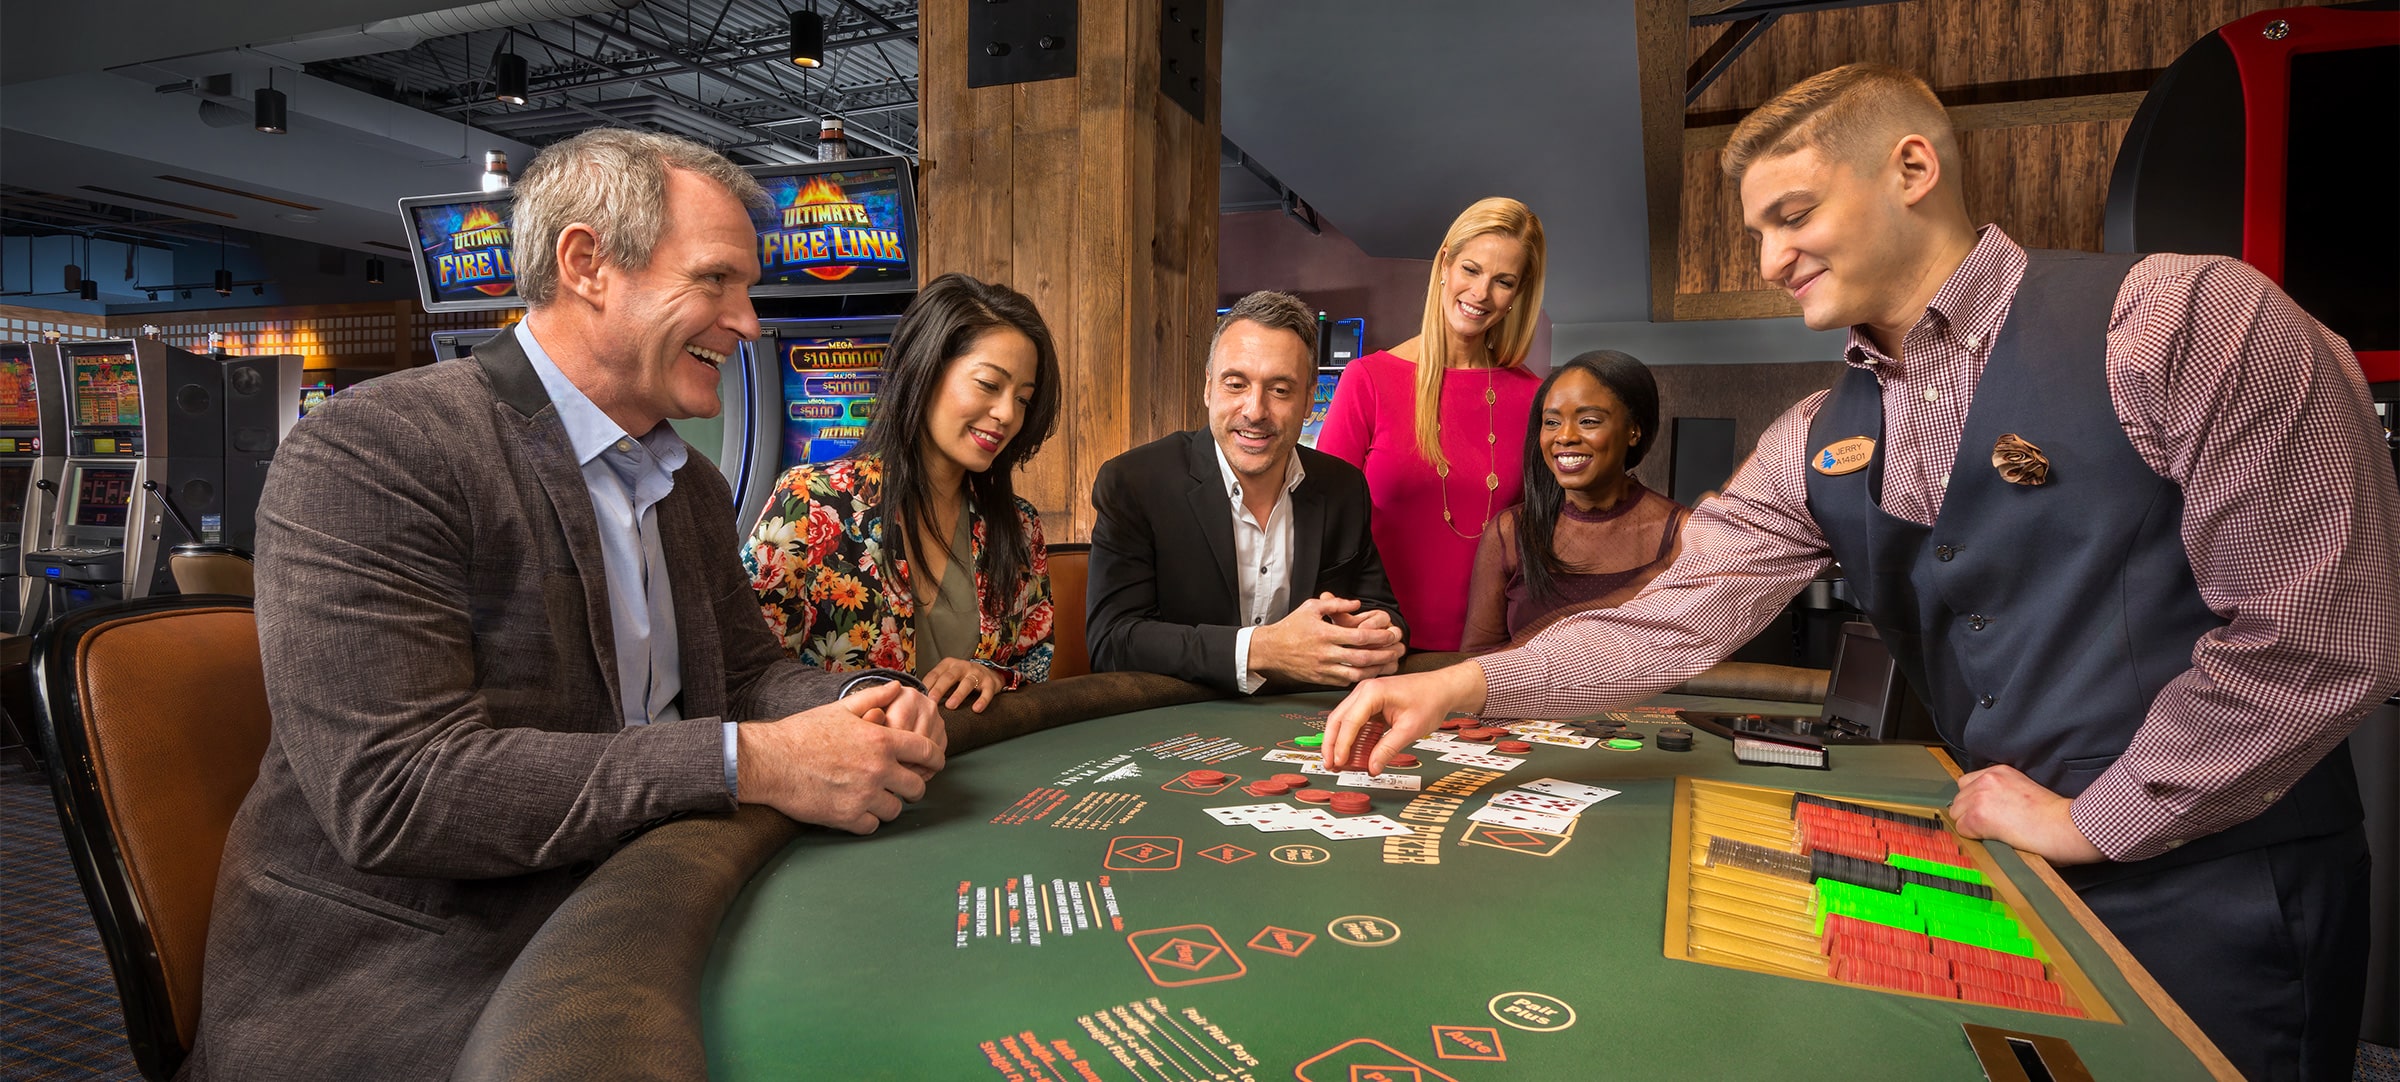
(392, 35)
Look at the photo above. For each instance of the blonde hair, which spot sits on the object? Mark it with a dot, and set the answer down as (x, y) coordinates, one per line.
(615, 181)
(1852, 113)
(1509, 341)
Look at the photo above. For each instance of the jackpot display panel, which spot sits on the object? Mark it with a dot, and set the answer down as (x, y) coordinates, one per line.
(808, 394)
(837, 228)
(32, 449)
(463, 246)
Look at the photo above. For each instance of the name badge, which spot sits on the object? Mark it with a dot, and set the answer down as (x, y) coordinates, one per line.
(1843, 456)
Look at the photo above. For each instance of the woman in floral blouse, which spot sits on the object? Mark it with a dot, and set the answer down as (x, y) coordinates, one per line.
(914, 552)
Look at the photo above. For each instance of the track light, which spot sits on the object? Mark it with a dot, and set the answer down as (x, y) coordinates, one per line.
(185, 294)
(808, 39)
(374, 272)
(152, 292)
(266, 107)
(88, 289)
(224, 283)
(258, 291)
(508, 78)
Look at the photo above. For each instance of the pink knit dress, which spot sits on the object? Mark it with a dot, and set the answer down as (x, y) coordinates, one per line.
(1372, 425)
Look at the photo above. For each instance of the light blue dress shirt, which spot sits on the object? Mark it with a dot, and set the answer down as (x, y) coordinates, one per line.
(627, 476)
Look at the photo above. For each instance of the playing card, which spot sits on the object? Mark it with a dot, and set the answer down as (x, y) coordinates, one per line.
(1440, 744)
(1564, 740)
(1362, 826)
(1290, 818)
(1544, 803)
(1523, 727)
(1363, 780)
(1487, 762)
(1522, 819)
(1589, 794)
(1243, 814)
(1287, 755)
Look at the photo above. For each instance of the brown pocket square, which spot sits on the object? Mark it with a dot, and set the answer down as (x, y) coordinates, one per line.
(2019, 462)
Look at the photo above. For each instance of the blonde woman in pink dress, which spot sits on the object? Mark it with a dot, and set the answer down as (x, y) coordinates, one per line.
(1435, 422)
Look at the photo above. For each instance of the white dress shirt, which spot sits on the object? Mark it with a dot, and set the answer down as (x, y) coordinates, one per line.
(1262, 562)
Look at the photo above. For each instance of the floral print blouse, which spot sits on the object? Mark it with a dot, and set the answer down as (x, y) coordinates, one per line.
(816, 561)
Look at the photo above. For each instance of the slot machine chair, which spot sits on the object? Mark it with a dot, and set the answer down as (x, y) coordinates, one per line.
(153, 717)
(212, 569)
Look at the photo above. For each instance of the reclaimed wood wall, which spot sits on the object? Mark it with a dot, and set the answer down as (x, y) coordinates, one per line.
(1096, 197)
(2042, 93)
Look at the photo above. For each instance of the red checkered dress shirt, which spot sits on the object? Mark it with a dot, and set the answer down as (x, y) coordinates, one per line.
(2225, 387)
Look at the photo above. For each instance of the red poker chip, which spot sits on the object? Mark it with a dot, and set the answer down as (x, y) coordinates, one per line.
(1269, 787)
(1455, 724)
(1513, 747)
(1205, 777)
(1404, 760)
(1345, 800)
(1313, 796)
(1478, 736)
(1294, 781)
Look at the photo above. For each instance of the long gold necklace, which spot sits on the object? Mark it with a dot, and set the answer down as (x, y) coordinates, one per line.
(1491, 471)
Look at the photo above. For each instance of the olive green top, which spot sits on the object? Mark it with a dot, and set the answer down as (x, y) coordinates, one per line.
(950, 626)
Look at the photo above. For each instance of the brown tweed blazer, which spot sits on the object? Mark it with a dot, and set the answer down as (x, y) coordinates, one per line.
(448, 756)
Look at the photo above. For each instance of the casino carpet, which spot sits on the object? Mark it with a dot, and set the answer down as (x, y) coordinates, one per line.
(58, 1004)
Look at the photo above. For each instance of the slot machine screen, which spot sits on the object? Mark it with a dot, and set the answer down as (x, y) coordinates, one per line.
(1319, 401)
(103, 496)
(829, 389)
(837, 227)
(108, 391)
(14, 477)
(20, 403)
(314, 395)
(466, 258)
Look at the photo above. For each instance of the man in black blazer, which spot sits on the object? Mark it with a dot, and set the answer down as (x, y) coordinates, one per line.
(1233, 556)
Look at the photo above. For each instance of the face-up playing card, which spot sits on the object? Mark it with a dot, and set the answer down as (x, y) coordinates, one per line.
(1540, 802)
(1487, 762)
(1244, 814)
(1564, 740)
(1522, 819)
(1291, 818)
(1589, 794)
(1288, 755)
(1362, 826)
(1361, 779)
(1443, 743)
(1523, 727)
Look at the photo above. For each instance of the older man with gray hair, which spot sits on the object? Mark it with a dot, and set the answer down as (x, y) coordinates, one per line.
(505, 630)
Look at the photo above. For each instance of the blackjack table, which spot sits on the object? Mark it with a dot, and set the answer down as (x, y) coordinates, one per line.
(1074, 900)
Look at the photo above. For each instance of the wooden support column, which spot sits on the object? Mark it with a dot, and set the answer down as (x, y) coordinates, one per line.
(1096, 196)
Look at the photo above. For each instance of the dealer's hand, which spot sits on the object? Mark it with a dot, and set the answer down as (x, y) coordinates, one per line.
(850, 764)
(2001, 803)
(1412, 705)
(1311, 645)
(955, 680)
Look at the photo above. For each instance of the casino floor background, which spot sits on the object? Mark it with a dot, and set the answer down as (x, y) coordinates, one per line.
(58, 1005)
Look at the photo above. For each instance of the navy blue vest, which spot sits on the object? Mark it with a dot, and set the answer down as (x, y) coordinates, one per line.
(2038, 622)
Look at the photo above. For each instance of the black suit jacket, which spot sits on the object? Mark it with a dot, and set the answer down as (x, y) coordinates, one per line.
(1163, 597)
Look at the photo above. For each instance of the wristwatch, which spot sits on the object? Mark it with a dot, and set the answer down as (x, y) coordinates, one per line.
(872, 677)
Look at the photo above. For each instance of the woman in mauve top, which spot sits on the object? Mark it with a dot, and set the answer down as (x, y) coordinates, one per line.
(1588, 535)
(1435, 422)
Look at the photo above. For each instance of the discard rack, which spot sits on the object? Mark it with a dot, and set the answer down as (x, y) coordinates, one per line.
(1862, 893)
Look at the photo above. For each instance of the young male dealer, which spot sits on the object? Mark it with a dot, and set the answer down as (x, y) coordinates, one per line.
(2127, 524)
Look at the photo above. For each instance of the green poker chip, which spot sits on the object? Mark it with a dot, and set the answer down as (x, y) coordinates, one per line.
(1312, 740)
(1624, 744)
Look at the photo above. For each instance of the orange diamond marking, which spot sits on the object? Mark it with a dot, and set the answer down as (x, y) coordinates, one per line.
(1514, 839)
(1185, 954)
(1377, 1073)
(1283, 941)
(1227, 853)
(1468, 1042)
(1145, 853)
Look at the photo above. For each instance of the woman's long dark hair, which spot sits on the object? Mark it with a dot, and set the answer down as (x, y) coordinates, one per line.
(1631, 382)
(942, 323)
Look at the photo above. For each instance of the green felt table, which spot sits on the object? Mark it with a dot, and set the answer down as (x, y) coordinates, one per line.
(842, 957)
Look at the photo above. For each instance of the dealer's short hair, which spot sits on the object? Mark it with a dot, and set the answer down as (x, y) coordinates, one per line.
(1853, 112)
(1272, 310)
(615, 181)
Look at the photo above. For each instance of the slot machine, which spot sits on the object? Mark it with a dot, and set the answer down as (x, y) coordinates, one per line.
(319, 384)
(135, 411)
(837, 265)
(465, 261)
(31, 458)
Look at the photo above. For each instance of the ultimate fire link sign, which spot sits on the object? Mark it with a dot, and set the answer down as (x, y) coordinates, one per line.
(478, 256)
(830, 236)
